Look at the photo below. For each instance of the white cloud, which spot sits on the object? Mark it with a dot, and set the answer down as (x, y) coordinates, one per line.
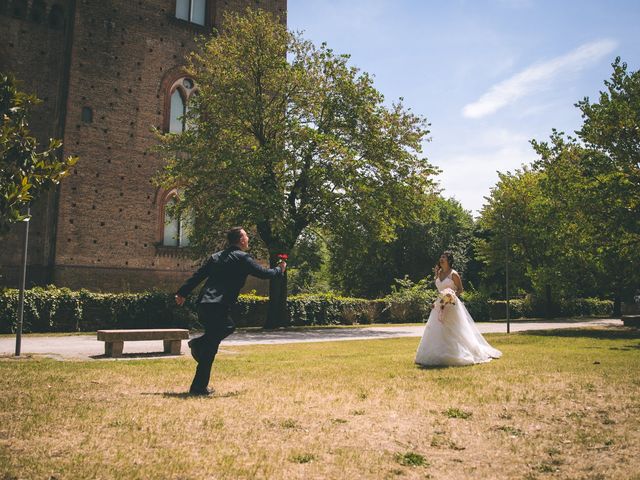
(469, 178)
(469, 170)
(535, 78)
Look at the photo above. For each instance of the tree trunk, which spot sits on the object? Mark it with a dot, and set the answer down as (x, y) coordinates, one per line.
(548, 302)
(617, 307)
(277, 314)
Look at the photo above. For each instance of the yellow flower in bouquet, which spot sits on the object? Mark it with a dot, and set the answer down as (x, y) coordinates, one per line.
(446, 297)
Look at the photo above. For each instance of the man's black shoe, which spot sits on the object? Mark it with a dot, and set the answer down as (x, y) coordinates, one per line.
(202, 393)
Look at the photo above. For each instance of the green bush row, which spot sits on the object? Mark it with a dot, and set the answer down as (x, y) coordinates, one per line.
(62, 310)
(530, 308)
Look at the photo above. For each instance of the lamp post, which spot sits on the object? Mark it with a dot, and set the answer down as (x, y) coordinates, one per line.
(506, 277)
(22, 284)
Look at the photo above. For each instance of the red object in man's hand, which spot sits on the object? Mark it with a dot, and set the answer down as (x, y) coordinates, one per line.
(282, 260)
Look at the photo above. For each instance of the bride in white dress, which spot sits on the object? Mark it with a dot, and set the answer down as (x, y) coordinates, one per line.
(451, 336)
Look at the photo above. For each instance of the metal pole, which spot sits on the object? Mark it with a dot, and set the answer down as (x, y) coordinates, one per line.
(506, 256)
(23, 281)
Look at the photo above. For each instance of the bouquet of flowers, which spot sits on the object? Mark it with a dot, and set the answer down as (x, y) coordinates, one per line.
(446, 297)
(282, 257)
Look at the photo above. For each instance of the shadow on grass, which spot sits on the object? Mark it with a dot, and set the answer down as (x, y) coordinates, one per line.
(611, 333)
(438, 367)
(137, 355)
(180, 395)
(188, 396)
(627, 347)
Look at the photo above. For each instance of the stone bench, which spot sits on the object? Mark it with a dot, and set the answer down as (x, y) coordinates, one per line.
(114, 339)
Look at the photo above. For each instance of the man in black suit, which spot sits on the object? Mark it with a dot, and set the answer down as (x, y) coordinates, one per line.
(226, 272)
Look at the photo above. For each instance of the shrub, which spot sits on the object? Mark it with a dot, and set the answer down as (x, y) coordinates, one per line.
(410, 302)
(477, 304)
(330, 309)
(529, 307)
(54, 309)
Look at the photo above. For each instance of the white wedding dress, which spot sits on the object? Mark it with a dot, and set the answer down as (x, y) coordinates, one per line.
(451, 337)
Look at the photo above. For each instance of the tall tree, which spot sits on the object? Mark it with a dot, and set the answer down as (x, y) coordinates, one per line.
(25, 172)
(612, 128)
(308, 269)
(576, 225)
(285, 135)
(567, 186)
(509, 227)
(536, 217)
(368, 266)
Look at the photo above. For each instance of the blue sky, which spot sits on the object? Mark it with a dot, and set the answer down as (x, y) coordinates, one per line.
(489, 75)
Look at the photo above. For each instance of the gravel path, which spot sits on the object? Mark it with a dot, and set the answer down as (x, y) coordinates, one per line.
(84, 347)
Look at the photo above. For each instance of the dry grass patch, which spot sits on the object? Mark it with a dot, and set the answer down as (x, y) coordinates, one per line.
(560, 404)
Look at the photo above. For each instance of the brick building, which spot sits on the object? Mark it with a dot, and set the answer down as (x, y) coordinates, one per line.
(107, 71)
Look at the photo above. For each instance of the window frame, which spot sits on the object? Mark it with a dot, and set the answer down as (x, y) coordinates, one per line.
(209, 14)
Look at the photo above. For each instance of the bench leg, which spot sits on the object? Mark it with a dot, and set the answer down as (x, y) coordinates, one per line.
(113, 349)
(172, 346)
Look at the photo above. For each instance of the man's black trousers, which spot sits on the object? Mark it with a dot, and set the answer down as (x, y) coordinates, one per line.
(217, 324)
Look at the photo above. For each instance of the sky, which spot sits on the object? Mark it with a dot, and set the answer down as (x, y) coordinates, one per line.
(489, 75)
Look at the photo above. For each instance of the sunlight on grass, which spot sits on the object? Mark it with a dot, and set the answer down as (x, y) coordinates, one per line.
(358, 409)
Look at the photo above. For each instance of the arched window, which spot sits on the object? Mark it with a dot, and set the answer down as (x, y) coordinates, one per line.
(192, 11)
(180, 93)
(176, 228)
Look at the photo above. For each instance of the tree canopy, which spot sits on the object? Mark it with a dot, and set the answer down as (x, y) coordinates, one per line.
(365, 266)
(571, 222)
(285, 135)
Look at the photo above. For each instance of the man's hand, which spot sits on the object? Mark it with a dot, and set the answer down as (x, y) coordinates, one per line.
(180, 300)
(283, 265)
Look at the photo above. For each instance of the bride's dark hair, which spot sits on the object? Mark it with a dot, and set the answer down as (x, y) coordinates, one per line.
(449, 256)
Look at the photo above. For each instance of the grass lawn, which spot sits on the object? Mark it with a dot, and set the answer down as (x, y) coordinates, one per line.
(559, 404)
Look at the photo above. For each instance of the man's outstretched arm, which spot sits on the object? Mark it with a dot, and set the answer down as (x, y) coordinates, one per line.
(259, 271)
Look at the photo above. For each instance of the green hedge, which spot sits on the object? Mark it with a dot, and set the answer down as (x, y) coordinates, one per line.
(328, 309)
(529, 308)
(62, 310)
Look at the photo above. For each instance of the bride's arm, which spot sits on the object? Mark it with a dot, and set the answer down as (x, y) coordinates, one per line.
(458, 281)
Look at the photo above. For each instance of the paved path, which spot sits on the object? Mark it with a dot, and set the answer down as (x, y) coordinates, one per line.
(83, 347)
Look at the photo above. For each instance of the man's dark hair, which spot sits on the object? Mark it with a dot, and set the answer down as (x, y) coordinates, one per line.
(233, 235)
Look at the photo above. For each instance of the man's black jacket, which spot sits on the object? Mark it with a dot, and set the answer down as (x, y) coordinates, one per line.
(226, 272)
